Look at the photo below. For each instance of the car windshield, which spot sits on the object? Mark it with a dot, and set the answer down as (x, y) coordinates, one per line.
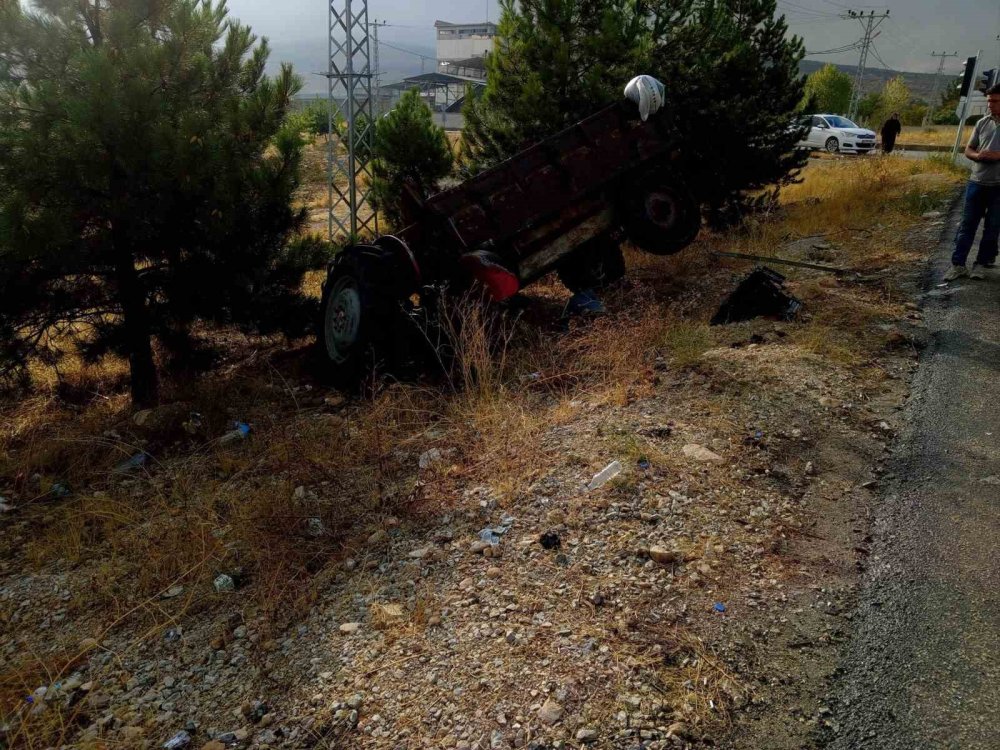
(839, 122)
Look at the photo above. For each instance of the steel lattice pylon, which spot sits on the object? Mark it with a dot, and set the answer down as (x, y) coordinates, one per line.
(349, 80)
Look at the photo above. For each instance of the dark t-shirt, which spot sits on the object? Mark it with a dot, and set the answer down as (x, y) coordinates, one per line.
(891, 128)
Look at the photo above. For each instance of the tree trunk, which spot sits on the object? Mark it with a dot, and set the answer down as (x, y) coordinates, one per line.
(144, 383)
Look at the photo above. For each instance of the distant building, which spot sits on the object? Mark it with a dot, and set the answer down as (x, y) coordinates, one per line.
(461, 52)
(472, 67)
(461, 41)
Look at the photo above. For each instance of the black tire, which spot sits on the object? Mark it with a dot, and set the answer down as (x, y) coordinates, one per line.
(360, 315)
(832, 145)
(661, 219)
(594, 265)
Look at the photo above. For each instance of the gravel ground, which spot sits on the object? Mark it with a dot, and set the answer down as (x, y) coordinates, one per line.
(701, 598)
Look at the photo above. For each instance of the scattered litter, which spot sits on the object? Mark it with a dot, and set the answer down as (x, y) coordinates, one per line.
(136, 462)
(584, 303)
(492, 534)
(224, 583)
(604, 476)
(761, 294)
(179, 740)
(59, 490)
(993, 481)
(531, 377)
(647, 93)
(172, 635)
(240, 431)
(172, 592)
(427, 458)
(550, 540)
(644, 464)
(719, 607)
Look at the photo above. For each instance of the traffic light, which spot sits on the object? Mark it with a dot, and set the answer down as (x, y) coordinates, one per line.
(970, 71)
(986, 79)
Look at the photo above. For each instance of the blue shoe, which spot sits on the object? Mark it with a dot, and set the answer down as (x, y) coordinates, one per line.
(585, 303)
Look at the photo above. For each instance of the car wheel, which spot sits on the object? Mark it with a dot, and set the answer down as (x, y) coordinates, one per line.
(832, 145)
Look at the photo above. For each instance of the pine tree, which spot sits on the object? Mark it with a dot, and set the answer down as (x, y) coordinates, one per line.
(145, 179)
(409, 150)
(554, 62)
(733, 87)
(828, 90)
(730, 68)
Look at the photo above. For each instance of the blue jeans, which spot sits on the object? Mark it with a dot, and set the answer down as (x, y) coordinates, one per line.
(981, 201)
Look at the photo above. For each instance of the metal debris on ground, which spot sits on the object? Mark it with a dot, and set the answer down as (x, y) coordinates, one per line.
(224, 584)
(761, 294)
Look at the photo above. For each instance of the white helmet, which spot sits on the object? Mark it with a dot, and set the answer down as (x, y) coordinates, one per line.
(648, 93)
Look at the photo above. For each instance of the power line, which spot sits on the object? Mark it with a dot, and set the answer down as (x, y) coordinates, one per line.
(837, 51)
(869, 23)
(937, 77)
(885, 65)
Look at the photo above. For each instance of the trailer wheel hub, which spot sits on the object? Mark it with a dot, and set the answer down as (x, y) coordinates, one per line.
(343, 319)
(661, 208)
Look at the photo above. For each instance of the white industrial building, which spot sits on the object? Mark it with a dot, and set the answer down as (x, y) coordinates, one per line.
(461, 41)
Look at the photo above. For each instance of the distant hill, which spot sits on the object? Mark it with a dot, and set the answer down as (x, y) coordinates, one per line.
(921, 84)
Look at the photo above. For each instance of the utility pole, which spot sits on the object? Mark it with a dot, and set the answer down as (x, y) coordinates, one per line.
(377, 106)
(937, 77)
(869, 23)
(349, 94)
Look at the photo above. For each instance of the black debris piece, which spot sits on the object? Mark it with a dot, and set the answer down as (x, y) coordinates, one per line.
(551, 540)
(759, 295)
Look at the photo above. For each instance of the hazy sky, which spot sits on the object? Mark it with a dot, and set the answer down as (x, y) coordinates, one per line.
(915, 28)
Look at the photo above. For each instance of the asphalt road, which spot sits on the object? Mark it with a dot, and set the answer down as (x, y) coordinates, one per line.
(923, 669)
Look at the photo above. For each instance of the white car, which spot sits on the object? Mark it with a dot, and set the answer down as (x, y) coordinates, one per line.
(836, 134)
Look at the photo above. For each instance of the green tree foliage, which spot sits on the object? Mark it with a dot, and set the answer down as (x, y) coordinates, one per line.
(868, 106)
(730, 68)
(410, 151)
(147, 180)
(314, 118)
(554, 62)
(828, 90)
(732, 72)
(895, 97)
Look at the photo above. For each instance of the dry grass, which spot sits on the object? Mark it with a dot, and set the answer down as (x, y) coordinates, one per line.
(933, 135)
(200, 508)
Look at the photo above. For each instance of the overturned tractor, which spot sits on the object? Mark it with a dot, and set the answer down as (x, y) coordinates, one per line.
(564, 204)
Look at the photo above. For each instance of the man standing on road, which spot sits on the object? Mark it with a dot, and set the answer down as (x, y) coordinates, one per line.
(982, 195)
(890, 130)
